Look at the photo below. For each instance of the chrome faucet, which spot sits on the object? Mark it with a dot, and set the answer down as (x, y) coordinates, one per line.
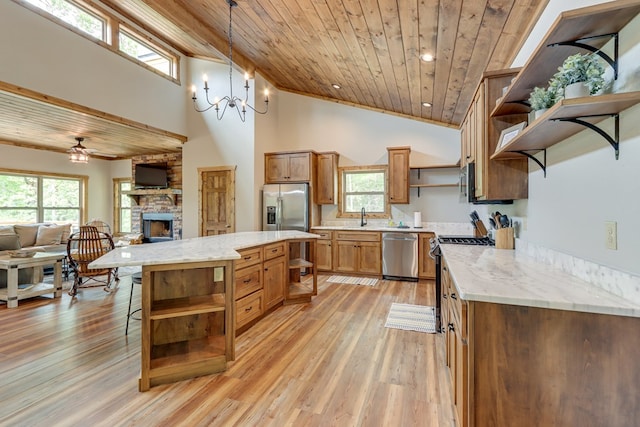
(362, 215)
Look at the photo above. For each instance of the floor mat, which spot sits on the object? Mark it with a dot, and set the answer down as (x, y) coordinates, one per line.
(420, 318)
(352, 280)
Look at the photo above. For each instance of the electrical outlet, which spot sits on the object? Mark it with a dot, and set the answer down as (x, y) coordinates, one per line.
(611, 234)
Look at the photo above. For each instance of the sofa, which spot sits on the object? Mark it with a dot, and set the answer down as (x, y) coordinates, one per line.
(42, 237)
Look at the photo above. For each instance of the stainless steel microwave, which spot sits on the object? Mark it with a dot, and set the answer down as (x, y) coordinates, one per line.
(467, 184)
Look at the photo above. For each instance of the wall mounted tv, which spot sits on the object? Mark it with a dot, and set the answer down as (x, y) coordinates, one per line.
(151, 175)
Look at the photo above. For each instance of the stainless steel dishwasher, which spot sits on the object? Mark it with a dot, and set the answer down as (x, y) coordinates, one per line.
(400, 256)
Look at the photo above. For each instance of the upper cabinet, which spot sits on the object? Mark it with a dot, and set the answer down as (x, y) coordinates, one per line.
(327, 178)
(288, 167)
(576, 31)
(495, 181)
(399, 174)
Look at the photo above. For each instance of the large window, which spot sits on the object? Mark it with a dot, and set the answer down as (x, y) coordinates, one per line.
(88, 19)
(122, 206)
(363, 187)
(30, 198)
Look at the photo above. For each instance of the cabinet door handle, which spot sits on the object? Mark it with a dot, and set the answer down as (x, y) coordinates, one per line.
(266, 269)
(451, 328)
(247, 258)
(444, 296)
(453, 296)
(246, 310)
(246, 280)
(273, 251)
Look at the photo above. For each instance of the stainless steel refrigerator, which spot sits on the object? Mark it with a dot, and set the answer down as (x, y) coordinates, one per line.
(285, 207)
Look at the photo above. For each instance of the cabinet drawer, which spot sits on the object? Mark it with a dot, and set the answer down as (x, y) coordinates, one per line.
(358, 236)
(273, 250)
(248, 308)
(248, 280)
(324, 234)
(248, 257)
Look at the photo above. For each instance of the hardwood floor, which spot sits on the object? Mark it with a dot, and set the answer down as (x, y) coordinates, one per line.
(329, 363)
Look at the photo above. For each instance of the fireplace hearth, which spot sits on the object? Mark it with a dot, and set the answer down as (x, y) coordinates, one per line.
(157, 227)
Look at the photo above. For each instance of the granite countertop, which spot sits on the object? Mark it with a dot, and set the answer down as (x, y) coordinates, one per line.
(440, 228)
(212, 248)
(372, 228)
(486, 274)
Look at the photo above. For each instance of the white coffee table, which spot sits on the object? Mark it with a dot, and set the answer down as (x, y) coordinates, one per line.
(11, 294)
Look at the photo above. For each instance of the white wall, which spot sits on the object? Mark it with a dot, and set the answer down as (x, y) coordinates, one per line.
(585, 186)
(43, 56)
(362, 136)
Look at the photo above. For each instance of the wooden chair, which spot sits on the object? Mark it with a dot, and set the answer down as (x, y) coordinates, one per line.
(84, 247)
(102, 226)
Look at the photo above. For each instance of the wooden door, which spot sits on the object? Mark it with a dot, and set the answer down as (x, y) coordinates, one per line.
(276, 168)
(217, 200)
(345, 256)
(426, 264)
(324, 255)
(370, 259)
(274, 281)
(299, 167)
(479, 139)
(327, 179)
(399, 175)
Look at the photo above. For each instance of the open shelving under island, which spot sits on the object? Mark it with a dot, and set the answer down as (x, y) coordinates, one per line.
(188, 300)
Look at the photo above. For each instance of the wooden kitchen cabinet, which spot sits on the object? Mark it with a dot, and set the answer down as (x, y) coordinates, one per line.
(426, 264)
(357, 252)
(288, 167)
(480, 133)
(249, 286)
(327, 178)
(187, 321)
(274, 274)
(399, 174)
(324, 254)
(302, 280)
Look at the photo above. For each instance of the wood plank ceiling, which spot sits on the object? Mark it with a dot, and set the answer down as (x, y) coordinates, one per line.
(371, 48)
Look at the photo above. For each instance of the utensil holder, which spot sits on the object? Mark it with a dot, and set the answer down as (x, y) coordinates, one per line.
(504, 238)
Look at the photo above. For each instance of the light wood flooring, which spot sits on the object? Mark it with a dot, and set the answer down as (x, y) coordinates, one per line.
(329, 363)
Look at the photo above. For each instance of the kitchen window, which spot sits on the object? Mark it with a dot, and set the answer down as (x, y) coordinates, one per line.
(31, 198)
(363, 187)
(121, 206)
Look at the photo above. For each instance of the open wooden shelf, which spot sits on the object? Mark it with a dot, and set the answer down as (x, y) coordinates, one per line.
(578, 24)
(187, 306)
(182, 353)
(547, 130)
(299, 263)
(456, 166)
(433, 185)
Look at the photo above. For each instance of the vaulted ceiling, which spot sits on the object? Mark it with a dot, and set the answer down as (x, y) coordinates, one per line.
(371, 48)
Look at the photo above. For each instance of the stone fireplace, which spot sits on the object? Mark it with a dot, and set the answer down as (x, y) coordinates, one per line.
(157, 227)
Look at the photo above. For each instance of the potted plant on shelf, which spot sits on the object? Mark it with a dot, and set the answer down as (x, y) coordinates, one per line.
(580, 75)
(542, 98)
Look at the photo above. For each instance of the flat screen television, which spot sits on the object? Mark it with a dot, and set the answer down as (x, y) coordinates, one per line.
(149, 175)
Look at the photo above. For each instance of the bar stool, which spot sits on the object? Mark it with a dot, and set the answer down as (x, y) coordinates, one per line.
(136, 279)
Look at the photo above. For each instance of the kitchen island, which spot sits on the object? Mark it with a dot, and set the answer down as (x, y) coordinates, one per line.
(528, 344)
(188, 301)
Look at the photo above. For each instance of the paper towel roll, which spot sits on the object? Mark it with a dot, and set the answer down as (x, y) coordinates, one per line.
(417, 219)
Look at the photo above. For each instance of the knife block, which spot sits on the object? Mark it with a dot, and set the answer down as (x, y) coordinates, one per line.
(504, 238)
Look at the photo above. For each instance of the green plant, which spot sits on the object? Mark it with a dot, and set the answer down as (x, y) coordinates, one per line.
(541, 98)
(577, 68)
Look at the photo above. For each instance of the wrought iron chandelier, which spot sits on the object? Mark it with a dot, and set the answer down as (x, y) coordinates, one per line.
(229, 101)
(78, 153)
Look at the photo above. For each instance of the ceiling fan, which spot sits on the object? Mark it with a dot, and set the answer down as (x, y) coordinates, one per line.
(80, 154)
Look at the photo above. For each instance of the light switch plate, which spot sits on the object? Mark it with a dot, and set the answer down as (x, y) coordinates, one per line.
(611, 234)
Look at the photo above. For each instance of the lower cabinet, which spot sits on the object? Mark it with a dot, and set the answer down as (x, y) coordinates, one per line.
(274, 281)
(249, 308)
(324, 249)
(357, 252)
(426, 264)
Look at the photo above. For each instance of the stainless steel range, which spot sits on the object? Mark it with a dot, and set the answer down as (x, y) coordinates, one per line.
(436, 254)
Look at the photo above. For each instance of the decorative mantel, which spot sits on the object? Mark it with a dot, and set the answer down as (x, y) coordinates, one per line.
(170, 193)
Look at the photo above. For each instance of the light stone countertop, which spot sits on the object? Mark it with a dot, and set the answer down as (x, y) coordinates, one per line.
(440, 228)
(486, 274)
(212, 248)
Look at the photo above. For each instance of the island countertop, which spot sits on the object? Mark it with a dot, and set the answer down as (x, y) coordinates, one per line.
(486, 274)
(197, 249)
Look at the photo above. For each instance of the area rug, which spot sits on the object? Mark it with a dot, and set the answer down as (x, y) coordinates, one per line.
(352, 280)
(420, 318)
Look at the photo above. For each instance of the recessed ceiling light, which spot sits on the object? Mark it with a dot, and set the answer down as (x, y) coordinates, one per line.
(426, 104)
(336, 86)
(427, 57)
